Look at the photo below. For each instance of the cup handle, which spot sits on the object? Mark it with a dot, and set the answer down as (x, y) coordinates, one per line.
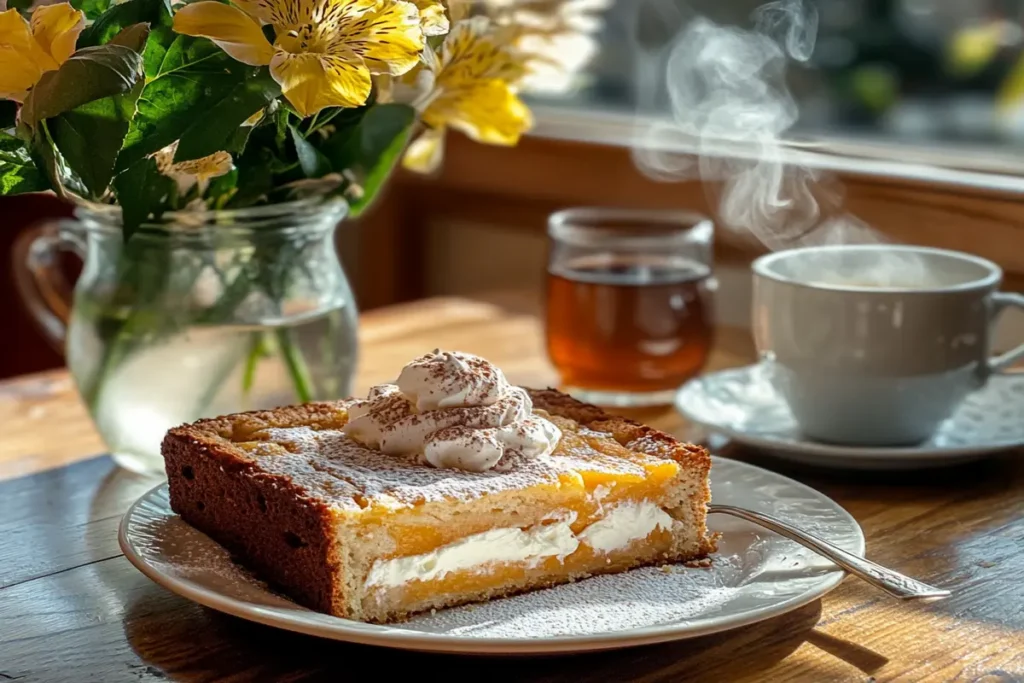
(1000, 302)
(42, 286)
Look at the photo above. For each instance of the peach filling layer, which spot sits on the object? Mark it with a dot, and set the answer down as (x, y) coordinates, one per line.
(596, 514)
(508, 556)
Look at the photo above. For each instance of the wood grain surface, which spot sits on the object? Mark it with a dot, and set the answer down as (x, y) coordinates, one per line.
(73, 609)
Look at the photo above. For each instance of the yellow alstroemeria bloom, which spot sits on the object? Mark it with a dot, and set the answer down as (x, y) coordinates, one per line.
(556, 35)
(188, 174)
(324, 51)
(30, 49)
(469, 88)
(433, 17)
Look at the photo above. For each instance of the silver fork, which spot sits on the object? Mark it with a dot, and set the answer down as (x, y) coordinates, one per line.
(890, 581)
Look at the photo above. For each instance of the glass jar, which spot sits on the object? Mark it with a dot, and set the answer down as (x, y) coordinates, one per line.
(629, 302)
(197, 315)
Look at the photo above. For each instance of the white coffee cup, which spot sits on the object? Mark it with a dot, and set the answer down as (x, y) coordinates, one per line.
(876, 345)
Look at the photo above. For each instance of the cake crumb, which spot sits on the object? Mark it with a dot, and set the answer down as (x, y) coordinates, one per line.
(702, 563)
(433, 610)
(665, 569)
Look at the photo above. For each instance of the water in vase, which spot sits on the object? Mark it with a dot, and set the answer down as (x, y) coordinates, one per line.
(147, 383)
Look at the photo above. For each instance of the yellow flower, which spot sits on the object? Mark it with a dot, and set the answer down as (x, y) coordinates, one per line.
(188, 174)
(28, 50)
(324, 51)
(469, 88)
(555, 37)
(433, 18)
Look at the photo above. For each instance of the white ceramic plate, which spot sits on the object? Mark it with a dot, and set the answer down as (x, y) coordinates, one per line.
(755, 575)
(741, 404)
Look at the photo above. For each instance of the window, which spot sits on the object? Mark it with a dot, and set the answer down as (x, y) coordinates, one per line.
(944, 79)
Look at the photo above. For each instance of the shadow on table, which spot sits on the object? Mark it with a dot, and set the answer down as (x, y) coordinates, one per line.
(183, 642)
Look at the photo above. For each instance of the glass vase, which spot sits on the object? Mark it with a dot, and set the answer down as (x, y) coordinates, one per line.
(197, 315)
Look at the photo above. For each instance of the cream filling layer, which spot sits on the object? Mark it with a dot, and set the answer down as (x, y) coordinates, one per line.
(621, 526)
(495, 546)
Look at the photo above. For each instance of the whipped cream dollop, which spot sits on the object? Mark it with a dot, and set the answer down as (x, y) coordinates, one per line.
(455, 410)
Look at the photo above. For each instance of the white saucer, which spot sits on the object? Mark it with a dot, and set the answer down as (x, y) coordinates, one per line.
(742, 404)
(755, 575)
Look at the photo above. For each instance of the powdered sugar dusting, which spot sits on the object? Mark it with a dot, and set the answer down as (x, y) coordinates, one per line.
(755, 574)
(329, 463)
(651, 596)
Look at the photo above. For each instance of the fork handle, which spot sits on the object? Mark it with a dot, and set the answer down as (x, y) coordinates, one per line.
(892, 582)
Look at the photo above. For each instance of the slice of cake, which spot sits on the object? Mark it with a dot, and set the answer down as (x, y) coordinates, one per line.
(448, 487)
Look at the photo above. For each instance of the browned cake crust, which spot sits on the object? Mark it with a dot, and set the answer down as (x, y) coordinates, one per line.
(286, 535)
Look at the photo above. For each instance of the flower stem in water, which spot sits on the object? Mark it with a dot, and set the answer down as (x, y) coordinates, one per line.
(296, 365)
(257, 350)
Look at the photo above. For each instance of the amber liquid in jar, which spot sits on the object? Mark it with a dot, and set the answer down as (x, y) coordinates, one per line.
(624, 323)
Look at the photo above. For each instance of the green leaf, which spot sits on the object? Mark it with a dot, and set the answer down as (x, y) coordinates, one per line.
(282, 120)
(314, 164)
(133, 37)
(91, 8)
(255, 176)
(187, 79)
(18, 173)
(214, 129)
(371, 148)
(20, 5)
(121, 16)
(381, 126)
(89, 74)
(9, 143)
(362, 136)
(378, 175)
(143, 193)
(89, 137)
(44, 154)
(239, 139)
(222, 189)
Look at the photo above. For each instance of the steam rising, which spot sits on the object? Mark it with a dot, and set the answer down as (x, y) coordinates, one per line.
(730, 110)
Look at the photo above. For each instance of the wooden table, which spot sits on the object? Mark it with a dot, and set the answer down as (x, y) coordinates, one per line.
(73, 609)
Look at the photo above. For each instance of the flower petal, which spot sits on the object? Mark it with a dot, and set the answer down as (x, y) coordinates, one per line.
(14, 31)
(188, 174)
(425, 153)
(314, 81)
(491, 112)
(17, 74)
(477, 50)
(233, 30)
(433, 19)
(387, 37)
(211, 166)
(285, 15)
(255, 118)
(56, 29)
(385, 85)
